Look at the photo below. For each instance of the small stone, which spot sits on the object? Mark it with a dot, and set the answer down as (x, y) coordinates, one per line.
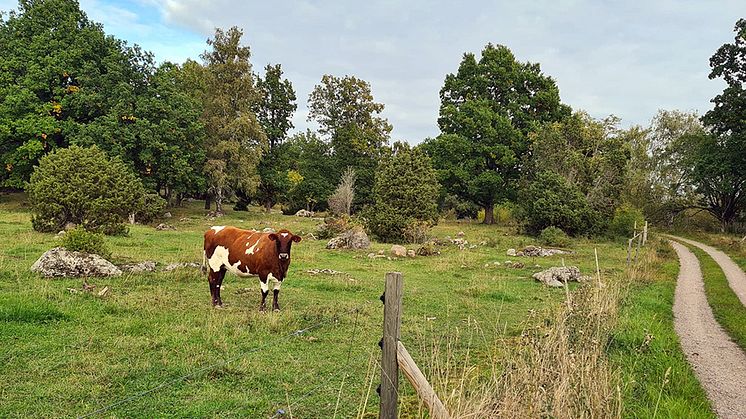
(167, 215)
(398, 251)
(511, 252)
(519, 253)
(268, 230)
(381, 252)
(411, 253)
(163, 226)
(460, 234)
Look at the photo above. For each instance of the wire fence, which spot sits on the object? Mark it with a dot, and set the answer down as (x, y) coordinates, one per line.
(343, 371)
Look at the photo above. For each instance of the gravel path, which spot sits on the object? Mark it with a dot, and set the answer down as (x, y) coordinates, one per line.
(736, 277)
(720, 365)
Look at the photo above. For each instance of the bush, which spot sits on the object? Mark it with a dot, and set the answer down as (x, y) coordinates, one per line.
(454, 208)
(340, 202)
(150, 207)
(623, 223)
(334, 226)
(417, 232)
(80, 240)
(405, 191)
(550, 200)
(85, 187)
(553, 236)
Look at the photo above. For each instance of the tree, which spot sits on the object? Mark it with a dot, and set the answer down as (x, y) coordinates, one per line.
(406, 191)
(487, 110)
(349, 117)
(85, 187)
(340, 202)
(274, 112)
(306, 163)
(235, 139)
(62, 82)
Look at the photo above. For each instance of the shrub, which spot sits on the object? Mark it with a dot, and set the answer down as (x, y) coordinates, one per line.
(623, 223)
(80, 240)
(335, 225)
(85, 187)
(417, 232)
(149, 207)
(550, 200)
(340, 202)
(553, 236)
(405, 190)
(454, 207)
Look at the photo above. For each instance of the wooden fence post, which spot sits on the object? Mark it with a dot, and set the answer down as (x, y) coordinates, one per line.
(392, 310)
(629, 251)
(420, 384)
(645, 233)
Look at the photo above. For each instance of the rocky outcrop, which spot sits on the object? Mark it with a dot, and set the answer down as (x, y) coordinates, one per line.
(351, 239)
(304, 213)
(136, 268)
(59, 262)
(557, 276)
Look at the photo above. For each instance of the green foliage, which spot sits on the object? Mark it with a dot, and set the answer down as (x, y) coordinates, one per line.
(307, 170)
(150, 207)
(235, 139)
(83, 186)
(487, 110)
(334, 226)
(454, 207)
(550, 200)
(82, 240)
(626, 217)
(553, 236)
(405, 191)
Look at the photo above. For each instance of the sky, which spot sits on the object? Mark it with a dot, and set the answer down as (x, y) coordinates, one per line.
(626, 58)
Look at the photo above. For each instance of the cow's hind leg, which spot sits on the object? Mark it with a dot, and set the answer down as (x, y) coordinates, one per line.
(216, 280)
(265, 290)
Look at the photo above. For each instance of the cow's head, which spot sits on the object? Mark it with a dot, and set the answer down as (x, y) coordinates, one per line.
(284, 239)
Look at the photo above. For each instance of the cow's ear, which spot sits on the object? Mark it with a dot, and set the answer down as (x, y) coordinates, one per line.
(272, 237)
(296, 238)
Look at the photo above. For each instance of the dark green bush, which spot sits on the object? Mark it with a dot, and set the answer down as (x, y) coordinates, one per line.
(405, 191)
(623, 223)
(553, 236)
(150, 207)
(85, 187)
(550, 200)
(80, 240)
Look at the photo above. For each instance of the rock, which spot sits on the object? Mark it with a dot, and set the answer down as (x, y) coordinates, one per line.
(472, 246)
(381, 252)
(428, 249)
(515, 265)
(185, 219)
(535, 251)
(59, 262)
(60, 233)
(411, 253)
(135, 268)
(461, 243)
(163, 227)
(375, 256)
(304, 213)
(460, 234)
(519, 253)
(511, 252)
(557, 276)
(177, 265)
(399, 251)
(351, 239)
(70, 226)
(167, 215)
(268, 230)
(324, 271)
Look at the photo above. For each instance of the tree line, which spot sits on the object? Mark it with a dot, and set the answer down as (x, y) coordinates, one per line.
(218, 130)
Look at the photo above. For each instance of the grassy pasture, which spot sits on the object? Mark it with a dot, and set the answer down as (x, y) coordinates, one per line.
(73, 353)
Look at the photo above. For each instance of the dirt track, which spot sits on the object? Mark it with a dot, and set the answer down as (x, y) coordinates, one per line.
(720, 365)
(736, 277)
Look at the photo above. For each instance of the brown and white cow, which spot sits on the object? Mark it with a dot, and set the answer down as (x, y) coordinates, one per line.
(247, 253)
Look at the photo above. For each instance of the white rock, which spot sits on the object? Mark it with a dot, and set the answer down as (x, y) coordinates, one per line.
(511, 252)
(399, 251)
(59, 262)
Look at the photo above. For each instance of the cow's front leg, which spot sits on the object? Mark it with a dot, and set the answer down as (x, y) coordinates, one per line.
(216, 279)
(265, 292)
(275, 294)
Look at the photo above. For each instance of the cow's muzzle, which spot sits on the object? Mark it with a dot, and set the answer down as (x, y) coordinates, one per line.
(284, 256)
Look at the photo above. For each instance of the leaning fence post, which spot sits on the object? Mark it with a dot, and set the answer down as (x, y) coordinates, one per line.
(392, 310)
(645, 233)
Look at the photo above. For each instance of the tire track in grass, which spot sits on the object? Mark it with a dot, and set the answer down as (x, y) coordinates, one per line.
(717, 361)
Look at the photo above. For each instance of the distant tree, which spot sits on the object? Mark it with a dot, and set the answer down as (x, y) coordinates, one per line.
(235, 139)
(487, 110)
(340, 202)
(405, 192)
(275, 112)
(349, 117)
(307, 160)
(85, 187)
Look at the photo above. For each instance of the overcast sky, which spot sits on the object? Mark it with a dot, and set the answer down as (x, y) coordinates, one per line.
(627, 58)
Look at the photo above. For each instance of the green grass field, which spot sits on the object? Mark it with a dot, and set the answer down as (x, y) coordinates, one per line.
(70, 353)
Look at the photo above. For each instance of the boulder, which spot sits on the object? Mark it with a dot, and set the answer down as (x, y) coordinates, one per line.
(557, 276)
(136, 268)
(304, 213)
(399, 251)
(163, 226)
(511, 252)
(59, 262)
(541, 252)
(428, 249)
(411, 253)
(351, 239)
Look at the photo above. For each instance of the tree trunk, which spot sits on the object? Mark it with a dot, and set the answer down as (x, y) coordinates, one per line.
(489, 214)
(219, 203)
(208, 201)
(267, 205)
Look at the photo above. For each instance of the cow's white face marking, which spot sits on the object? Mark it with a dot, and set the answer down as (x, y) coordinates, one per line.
(220, 258)
(217, 228)
(251, 250)
(284, 234)
(284, 256)
(264, 285)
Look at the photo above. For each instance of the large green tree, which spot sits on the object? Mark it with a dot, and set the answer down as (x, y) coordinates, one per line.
(306, 160)
(275, 112)
(350, 119)
(487, 110)
(235, 139)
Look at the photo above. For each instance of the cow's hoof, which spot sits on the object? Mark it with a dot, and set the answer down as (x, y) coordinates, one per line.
(276, 310)
(262, 309)
(217, 306)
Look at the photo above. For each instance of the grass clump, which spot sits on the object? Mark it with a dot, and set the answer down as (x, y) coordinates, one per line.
(81, 240)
